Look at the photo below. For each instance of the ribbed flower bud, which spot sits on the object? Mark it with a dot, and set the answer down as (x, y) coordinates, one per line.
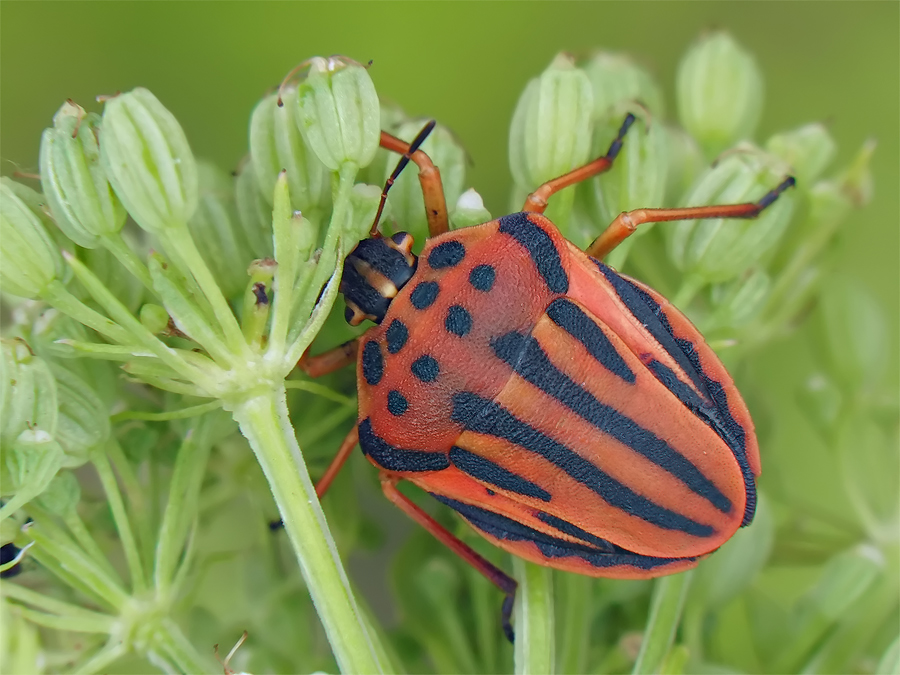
(340, 117)
(79, 195)
(740, 301)
(718, 249)
(28, 465)
(83, 421)
(29, 258)
(148, 161)
(808, 150)
(469, 210)
(214, 223)
(686, 162)
(719, 90)
(276, 144)
(405, 197)
(254, 212)
(616, 79)
(28, 393)
(550, 132)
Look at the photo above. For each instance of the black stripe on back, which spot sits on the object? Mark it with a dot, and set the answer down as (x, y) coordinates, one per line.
(506, 529)
(392, 458)
(573, 531)
(568, 316)
(525, 355)
(483, 416)
(488, 472)
(540, 247)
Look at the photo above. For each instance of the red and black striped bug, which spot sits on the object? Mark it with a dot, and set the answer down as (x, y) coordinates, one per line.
(569, 413)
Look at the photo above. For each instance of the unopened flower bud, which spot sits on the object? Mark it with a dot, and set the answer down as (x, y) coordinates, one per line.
(276, 144)
(717, 249)
(720, 92)
(79, 195)
(739, 302)
(29, 258)
(214, 223)
(154, 318)
(62, 495)
(148, 161)
(83, 421)
(616, 79)
(469, 210)
(808, 150)
(254, 212)
(340, 116)
(405, 197)
(27, 465)
(551, 128)
(686, 162)
(27, 392)
(364, 200)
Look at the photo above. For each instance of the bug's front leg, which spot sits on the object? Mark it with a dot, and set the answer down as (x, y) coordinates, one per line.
(492, 573)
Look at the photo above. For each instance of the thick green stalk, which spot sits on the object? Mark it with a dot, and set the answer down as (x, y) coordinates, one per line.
(665, 613)
(534, 624)
(264, 421)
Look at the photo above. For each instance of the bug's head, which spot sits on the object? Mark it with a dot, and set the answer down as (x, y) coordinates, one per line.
(374, 273)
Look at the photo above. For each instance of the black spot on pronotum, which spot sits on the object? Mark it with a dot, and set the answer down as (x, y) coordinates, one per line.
(396, 403)
(425, 368)
(482, 277)
(372, 363)
(393, 458)
(396, 335)
(424, 294)
(459, 321)
(447, 254)
(540, 247)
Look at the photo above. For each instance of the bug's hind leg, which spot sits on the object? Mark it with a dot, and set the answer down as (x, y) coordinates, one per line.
(626, 223)
(330, 361)
(492, 573)
(537, 200)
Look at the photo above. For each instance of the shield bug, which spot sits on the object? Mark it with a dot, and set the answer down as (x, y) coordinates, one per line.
(569, 413)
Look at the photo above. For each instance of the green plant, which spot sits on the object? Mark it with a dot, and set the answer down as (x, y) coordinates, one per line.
(142, 359)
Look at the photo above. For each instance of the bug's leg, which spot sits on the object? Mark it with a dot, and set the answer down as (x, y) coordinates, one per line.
(626, 223)
(493, 574)
(349, 442)
(537, 200)
(429, 178)
(330, 361)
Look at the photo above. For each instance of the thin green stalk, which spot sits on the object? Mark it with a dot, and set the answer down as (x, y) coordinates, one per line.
(689, 288)
(123, 525)
(111, 652)
(79, 530)
(666, 604)
(264, 421)
(173, 644)
(79, 624)
(319, 390)
(57, 295)
(48, 604)
(184, 489)
(534, 646)
(116, 245)
(577, 610)
(180, 239)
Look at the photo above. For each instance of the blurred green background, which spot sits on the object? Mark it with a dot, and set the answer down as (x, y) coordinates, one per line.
(465, 64)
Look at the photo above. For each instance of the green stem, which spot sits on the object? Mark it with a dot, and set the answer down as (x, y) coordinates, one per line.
(108, 654)
(80, 624)
(534, 619)
(123, 525)
(577, 610)
(79, 530)
(171, 641)
(58, 607)
(123, 253)
(57, 295)
(181, 240)
(181, 508)
(264, 421)
(666, 604)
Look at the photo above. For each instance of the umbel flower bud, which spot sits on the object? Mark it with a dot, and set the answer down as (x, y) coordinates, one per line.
(716, 250)
(469, 210)
(29, 259)
(28, 395)
(340, 117)
(809, 150)
(78, 193)
(719, 90)
(83, 421)
(550, 132)
(254, 212)
(616, 79)
(148, 161)
(276, 144)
